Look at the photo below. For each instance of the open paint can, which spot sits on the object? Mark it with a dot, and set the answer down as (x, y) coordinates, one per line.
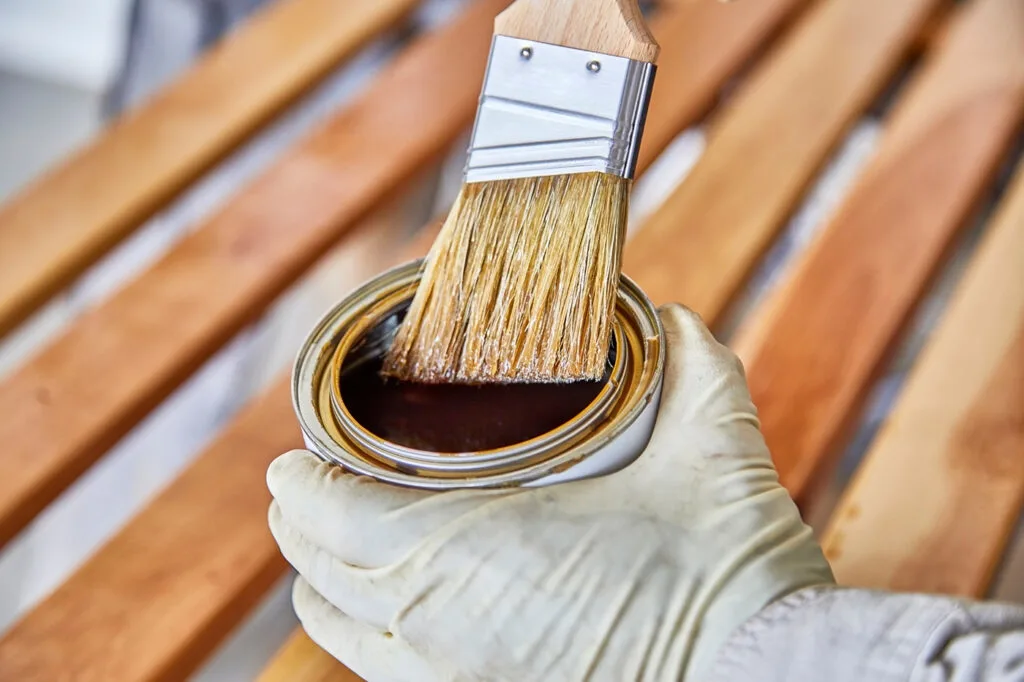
(441, 437)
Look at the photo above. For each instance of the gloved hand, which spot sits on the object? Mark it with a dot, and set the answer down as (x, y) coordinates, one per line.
(639, 575)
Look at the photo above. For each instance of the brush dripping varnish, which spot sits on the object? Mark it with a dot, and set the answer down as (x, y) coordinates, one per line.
(520, 285)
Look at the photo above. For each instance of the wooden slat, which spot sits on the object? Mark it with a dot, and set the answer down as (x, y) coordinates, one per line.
(765, 147)
(188, 598)
(184, 572)
(301, 660)
(68, 404)
(813, 357)
(57, 227)
(259, 433)
(938, 496)
(703, 44)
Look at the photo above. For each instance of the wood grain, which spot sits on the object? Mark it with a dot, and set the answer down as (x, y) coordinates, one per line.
(825, 334)
(613, 27)
(938, 496)
(79, 395)
(119, 581)
(171, 585)
(765, 147)
(163, 592)
(60, 225)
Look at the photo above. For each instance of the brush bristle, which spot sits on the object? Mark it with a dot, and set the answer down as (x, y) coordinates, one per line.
(520, 285)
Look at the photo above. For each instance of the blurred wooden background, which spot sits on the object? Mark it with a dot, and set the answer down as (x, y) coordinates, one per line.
(835, 185)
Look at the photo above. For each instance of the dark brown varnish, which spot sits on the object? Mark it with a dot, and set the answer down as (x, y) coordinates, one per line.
(459, 418)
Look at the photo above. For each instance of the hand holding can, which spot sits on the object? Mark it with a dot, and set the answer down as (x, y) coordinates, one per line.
(652, 566)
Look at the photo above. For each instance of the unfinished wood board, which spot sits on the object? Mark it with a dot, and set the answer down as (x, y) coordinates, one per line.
(936, 499)
(301, 660)
(57, 227)
(813, 357)
(88, 388)
(766, 145)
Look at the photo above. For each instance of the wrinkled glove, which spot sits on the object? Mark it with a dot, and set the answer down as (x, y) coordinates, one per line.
(639, 575)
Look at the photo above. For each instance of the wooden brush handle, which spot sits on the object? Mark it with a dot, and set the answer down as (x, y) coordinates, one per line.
(609, 26)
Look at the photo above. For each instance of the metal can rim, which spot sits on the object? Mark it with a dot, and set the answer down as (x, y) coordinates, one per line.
(644, 340)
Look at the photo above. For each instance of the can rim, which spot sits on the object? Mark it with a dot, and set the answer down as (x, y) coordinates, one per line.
(640, 343)
(391, 300)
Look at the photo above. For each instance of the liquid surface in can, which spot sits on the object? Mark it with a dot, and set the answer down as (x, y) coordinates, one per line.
(459, 418)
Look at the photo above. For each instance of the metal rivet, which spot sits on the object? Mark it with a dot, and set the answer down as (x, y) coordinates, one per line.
(593, 66)
(526, 52)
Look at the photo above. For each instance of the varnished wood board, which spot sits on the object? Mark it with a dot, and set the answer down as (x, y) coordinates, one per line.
(61, 410)
(935, 501)
(825, 334)
(58, 226)
(765, 146)
(187, 569)
(696, 82)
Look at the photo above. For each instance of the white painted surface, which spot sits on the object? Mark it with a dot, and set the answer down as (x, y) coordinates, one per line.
(77, 43)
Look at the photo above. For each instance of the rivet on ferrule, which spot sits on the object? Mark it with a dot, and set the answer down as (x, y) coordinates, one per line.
(543, 111)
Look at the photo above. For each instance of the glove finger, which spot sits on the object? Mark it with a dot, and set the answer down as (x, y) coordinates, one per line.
(349, 588)
(373, 654)
(361, 521)
(704, 380)
(706, 428)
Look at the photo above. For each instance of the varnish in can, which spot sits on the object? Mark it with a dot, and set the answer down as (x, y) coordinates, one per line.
(445, 437)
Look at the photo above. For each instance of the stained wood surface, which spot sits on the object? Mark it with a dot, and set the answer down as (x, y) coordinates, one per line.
(765, 147)
(83, 392)
(57, 227)
(939, 494)
(188, 587)
(613, 27)
(825, 335)
(187, 569)
(704, 45)
(260, 434)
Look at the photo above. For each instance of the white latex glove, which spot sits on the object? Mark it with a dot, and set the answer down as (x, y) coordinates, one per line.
(639, 575)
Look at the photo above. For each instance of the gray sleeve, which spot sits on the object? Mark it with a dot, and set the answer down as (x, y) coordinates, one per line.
(846, 635)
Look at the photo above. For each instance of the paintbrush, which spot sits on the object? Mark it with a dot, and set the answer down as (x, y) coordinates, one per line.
(520, 285)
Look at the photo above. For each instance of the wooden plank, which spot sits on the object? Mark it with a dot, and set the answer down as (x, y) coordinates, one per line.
(57, 227)
(170, 585)
(34, 644)
(301, 660)
(937, 498)
(703, 45)
(78, 396)
(82, 630)
(812, 358)
(765, 147)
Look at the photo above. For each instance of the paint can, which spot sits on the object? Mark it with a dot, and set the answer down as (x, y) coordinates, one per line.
(611, 428)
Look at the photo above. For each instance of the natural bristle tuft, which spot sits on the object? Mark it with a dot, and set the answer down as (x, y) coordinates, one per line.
(520, 285)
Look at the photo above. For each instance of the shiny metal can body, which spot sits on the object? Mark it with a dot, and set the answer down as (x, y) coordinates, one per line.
(605, 436)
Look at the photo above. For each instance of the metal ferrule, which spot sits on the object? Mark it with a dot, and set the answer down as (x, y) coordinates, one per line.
(552, 110)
